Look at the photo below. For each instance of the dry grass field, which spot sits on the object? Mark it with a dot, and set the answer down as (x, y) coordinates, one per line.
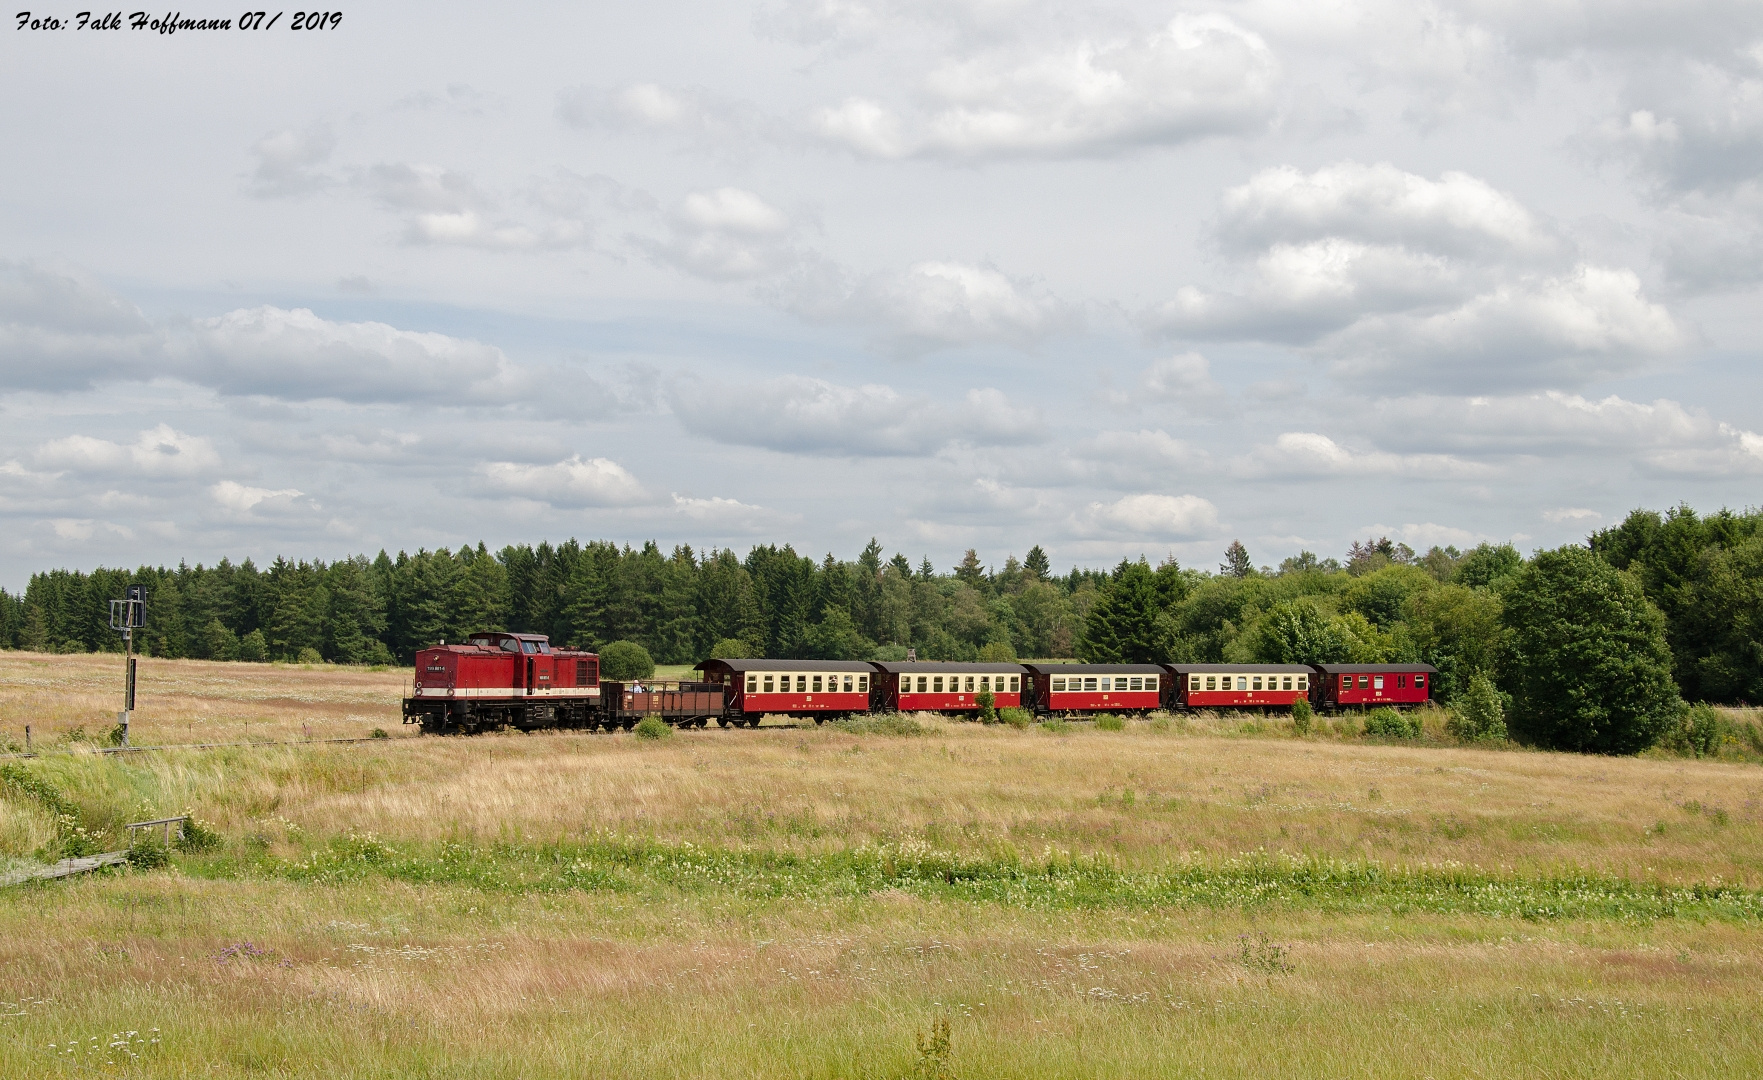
(1211, 898)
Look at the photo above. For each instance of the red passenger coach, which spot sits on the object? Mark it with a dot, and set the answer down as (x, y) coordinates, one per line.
(1239, 686)
(1370, 685)
(932, 686)
(1091, 688)
(817, 688)
(498, 678)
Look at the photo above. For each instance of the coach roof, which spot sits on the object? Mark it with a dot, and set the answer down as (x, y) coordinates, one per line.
(786, 665)
(1249, 669)
(1372, 669)
(1094, 669)
(938, 667)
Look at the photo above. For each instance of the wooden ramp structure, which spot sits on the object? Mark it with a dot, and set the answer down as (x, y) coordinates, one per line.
(170, 827)
(64, 868)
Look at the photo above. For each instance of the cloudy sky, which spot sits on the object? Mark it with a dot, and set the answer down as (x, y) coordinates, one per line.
(1115, 279)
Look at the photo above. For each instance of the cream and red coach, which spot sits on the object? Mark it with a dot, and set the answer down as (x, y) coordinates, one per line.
(946, 686)
(1371, 685)
(1093, 688)
(818, 688)
(499, 678)
(1239, 686)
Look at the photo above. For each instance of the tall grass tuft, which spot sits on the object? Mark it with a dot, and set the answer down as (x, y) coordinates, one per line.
(1016, 718)
(1110, 722)
(652, 727)
(1301, 717)
(881, 724)
(933, 1053)
(1389, 724)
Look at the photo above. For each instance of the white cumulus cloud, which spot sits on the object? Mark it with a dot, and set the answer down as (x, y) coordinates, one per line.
(572, 482)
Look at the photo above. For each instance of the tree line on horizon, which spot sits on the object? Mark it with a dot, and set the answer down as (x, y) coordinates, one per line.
(1700, 577)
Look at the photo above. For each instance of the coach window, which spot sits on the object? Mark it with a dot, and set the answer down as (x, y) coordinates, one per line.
(1090, 684)
(1136, 683)
(752, 684)
(1242, 682)
(801, 684)
(863, 684)
(1257, 684)
(1151, 682)
(1211, 682)
(1059, 686)
(1419, 681)
(767, 684)
(985, 682)
(936, 684)
(970, 684)
(923, 685)
(1363, 681)
(817, 684)
(1377, 682)
(1015, 685)
(1303, 682)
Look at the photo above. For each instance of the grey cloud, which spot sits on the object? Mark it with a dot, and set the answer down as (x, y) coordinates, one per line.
(61, 330)
(290, 161)
(930, 305)
(1663, 435)
(298, 356)
(1389, 273)
(811, 416)
(1198, 75)
(726, 234)
(1457, 214)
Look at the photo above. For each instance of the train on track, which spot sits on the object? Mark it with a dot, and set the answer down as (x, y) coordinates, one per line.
(498, 679)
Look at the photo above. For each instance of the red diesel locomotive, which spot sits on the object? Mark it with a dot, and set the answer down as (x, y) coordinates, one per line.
(499, 679)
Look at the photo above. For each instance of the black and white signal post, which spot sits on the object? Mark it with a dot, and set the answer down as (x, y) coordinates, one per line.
(128, 616)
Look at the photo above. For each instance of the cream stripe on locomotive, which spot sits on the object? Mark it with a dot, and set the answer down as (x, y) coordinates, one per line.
(1246, 681)
(1086, 684)
(790, 682)
(506, 693)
